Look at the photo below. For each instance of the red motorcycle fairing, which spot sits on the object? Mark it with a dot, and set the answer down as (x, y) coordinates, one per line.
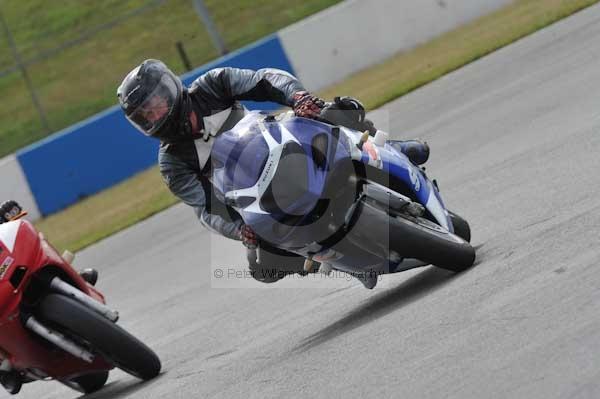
(28, 352)
(24, 250)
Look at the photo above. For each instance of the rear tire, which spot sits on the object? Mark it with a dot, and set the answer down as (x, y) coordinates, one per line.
(264, 275)
(88, 383)
(275, 263)
(111, 341)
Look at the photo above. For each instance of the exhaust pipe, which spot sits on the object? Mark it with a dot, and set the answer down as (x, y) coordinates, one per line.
(59, 340)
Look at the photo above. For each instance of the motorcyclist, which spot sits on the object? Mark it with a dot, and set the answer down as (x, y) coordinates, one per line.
(186, 120)
(11, 210)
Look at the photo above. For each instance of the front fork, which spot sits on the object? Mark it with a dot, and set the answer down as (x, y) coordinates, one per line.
(58, 339)
(365, 226)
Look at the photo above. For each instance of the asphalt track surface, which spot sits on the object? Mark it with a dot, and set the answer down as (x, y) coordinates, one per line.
(515, 140)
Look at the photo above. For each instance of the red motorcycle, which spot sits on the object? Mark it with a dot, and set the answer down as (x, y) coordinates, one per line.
(53, 323)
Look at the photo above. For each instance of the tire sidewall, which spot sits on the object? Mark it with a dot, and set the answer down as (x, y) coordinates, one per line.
(110, 340)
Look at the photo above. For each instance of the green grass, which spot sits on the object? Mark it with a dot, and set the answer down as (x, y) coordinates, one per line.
(112, 210)
(145, 194)
(82, 80)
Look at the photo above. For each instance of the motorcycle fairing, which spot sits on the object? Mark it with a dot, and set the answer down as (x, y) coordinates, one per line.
(276, 201)
(8, 234)
(391, 160)
(29, 249)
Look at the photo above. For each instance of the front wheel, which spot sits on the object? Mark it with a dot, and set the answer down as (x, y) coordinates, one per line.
(461, 226)
(103, 336)
(411, 237)
(422, 239)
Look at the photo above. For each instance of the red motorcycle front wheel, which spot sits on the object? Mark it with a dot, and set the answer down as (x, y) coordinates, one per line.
(103, 336)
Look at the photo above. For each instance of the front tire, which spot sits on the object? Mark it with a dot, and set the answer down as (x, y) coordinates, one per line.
(376, 231)
(110, 340)
(461, 226)
(425, 240)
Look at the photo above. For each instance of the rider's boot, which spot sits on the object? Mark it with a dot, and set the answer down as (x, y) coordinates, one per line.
(417, 151)
(90, 275)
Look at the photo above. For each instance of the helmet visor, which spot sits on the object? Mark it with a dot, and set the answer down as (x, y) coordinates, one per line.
(156, 108)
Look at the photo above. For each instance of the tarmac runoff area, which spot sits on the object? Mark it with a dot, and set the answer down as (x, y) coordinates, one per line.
(515, 139)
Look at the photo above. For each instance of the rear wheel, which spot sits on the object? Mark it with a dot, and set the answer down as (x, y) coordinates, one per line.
(265, 275)
(11, 381)
(275, 263)
(258, 271)
(102, 335)
(88, 383)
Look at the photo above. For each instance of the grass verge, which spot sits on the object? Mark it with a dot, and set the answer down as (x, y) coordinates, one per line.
(106, 213)
(145, 194)
(80, 80)
(408, 71)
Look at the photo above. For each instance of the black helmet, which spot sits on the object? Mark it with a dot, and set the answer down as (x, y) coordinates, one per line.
(152, 98)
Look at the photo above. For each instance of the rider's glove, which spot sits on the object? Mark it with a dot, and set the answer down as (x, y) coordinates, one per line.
(8, 210)
(248, 237)
(306, 105)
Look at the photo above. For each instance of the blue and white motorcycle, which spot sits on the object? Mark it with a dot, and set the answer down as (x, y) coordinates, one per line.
(321, 194)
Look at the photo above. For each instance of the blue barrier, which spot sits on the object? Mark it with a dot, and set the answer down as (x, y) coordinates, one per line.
(266, 53)
(105, 149)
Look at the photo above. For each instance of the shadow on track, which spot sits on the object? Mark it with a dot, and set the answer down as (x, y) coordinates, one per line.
(121, 388)
(380, 305)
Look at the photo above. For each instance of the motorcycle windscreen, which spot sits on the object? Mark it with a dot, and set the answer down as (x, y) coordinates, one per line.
(288, 197)
(238, 158)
